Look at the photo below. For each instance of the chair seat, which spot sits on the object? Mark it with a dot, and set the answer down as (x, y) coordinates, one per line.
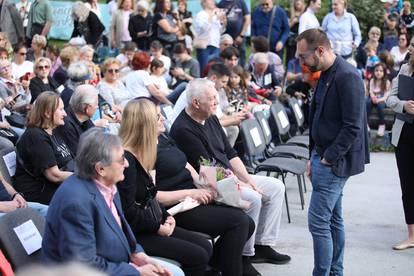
(290, 150)
(300, 140)
(282, 164)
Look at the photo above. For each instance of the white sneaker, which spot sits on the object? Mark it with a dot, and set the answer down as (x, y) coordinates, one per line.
(369, 129)
(381, 130)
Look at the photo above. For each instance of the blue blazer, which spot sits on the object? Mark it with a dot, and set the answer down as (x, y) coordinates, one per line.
(80, 227)
(341, 136)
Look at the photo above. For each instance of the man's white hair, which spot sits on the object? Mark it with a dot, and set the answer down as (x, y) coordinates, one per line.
(260, 58)
(196, 88)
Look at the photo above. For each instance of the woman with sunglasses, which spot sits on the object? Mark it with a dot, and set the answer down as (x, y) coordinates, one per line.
(42, 82)
(111, 87)
(20, 66)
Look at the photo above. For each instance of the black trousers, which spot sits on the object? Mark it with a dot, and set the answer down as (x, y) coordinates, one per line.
(232, 225)
(404, 154)
(191, 250)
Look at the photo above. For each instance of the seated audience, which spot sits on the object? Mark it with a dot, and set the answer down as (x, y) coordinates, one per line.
(184, 68)
(156, 51)
(111, 88)
(138, 82)
(264, 78)
(43, 159)
(78, 73)
(43, 81)
(260, 44)
(175, 179)
(399, 52)
(82, 106)
(89, 226)
(125, 58)
(11, 200)
(21, 66)
(374, 36)
(219, 75)
(379, 88)
(156, 232)
(198, 133)
(37, 49)
(230, 56)
(53, 53)
(372, 60)
(68, 55)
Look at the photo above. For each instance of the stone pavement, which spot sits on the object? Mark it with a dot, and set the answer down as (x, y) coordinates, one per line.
(374, 222)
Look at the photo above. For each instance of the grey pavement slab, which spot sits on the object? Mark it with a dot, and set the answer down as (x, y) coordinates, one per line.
(374, 222)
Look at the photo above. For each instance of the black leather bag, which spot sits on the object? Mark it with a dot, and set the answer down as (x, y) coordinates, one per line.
(16, 120)
(154, 209)
(9, 134)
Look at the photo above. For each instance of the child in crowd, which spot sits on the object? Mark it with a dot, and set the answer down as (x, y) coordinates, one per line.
(157, 70)
(372, 60)
(379, 88)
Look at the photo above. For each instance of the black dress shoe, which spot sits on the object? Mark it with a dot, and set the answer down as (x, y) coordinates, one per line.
(266, 254)
(248, 268)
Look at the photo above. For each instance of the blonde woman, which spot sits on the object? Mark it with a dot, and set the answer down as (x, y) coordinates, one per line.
(120, 19)
(157, 234)
(42, 81)
(5, 43)
(111, 87)
(37, 49)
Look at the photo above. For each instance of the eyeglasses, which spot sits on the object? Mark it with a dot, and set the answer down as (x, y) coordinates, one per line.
(113, 71)
(40, 67)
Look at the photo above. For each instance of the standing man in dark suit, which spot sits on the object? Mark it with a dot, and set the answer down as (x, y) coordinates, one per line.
(338, 145)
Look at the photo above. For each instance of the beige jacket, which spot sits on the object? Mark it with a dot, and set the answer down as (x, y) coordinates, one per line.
(396, 104)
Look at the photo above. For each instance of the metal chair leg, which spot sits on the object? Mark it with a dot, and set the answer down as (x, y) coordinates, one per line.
(286, 199)
(302, 200)
(304, 182)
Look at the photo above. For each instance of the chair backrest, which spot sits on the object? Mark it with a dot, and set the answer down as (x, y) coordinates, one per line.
(253, 139)
(277, 111)
(264, 125)
(169, 114)
(10, 243)
(8, 163)
(297, 111)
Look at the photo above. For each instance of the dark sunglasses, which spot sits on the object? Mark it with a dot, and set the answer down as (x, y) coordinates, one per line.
(43, 67)
(23, 54)
(113, 71)
(265, 5)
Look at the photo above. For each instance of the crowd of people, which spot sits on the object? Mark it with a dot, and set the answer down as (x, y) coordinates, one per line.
(86, 122)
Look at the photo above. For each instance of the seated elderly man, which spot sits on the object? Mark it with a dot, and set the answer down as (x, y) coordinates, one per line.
(264, 78)
(79, 74)
(219, 74)
(198, 133)
(89, 226)
(82, 106)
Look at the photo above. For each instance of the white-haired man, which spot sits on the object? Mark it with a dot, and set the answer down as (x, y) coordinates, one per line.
(198, 133)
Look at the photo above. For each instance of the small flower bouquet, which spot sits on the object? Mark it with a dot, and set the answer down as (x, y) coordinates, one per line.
(223, 182)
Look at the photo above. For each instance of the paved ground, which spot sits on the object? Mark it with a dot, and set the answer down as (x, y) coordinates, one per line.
(373, 219)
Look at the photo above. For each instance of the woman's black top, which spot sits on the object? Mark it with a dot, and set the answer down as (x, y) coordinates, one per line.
(137, 23)
(134, 191)
(37, 151)
(91, 29)
(170, 166)
(37, 86)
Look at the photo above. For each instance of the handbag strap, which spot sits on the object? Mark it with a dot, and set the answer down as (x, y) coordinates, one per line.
(272, 17)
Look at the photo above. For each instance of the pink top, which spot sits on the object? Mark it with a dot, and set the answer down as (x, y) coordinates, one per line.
(108, 194)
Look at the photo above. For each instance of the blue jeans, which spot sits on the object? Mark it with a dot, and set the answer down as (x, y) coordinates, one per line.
(325, 219)
(178, 90)
(380, 108)
(204, 55)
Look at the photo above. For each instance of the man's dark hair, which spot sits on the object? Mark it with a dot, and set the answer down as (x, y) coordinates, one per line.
(179, 48)
(218, 69)
(260, 44)
(156, 45)
(314, 38)
(229, 52)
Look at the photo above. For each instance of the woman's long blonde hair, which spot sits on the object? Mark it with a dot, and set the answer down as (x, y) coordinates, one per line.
(139, 131)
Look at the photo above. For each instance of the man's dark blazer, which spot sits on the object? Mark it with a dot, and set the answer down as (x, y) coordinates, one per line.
(81, 227)
(341, 134)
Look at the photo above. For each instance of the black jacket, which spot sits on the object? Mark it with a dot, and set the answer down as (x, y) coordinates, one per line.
(137, 23)
(37, 86)
(91, 29)
(341, 134)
